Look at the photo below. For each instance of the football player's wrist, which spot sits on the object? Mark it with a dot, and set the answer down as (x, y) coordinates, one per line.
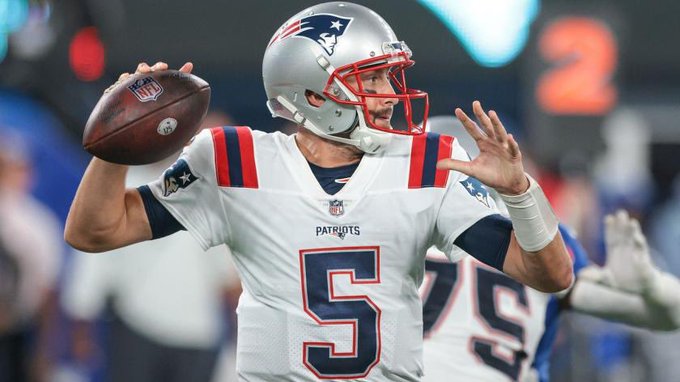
(533, 219)
(657, 285)
(519, 187)
(662, 293)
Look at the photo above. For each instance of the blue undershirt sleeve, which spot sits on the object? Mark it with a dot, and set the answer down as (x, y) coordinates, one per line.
(487, 240)
(161, 221)
(579, 255)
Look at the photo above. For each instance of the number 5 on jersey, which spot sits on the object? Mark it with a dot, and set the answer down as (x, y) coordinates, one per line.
(318, 268)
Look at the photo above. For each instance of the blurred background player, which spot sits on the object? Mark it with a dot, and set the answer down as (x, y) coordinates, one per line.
(167, 300)
(507, 331)
(30, 259)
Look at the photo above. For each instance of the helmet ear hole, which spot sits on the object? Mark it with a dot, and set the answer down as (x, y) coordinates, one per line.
(314, 99)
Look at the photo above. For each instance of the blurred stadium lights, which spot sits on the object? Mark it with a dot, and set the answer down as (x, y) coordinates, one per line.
(13, 14)
(583, 55)
(3, 45)
(87, 54)
(24, 23)
(493, 32)
(36, 36)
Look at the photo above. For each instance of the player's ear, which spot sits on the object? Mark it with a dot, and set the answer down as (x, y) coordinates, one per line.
(314, 99)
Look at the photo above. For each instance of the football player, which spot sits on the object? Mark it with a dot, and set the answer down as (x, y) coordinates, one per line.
(481, 325)
(329, 227)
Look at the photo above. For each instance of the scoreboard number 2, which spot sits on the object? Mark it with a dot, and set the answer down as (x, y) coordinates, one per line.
(583, 55)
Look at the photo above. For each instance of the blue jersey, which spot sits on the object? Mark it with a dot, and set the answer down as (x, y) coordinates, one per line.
(542, 357)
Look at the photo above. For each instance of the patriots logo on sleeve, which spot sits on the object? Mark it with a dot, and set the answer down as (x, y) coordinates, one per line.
(178, 176)
(324, 29)
(476, 189)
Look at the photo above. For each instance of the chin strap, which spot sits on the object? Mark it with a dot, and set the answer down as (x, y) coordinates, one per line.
(366, 139)
(370, 141)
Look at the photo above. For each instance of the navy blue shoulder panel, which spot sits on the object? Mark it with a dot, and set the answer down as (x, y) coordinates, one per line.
(487, 240)
(161, 221)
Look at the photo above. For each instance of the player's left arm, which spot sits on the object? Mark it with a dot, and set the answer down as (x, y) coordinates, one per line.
(536, 254)
(548, 269)
(629, 288)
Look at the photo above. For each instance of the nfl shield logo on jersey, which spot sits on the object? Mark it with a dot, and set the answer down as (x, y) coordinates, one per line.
(146, 89)
(336, 207)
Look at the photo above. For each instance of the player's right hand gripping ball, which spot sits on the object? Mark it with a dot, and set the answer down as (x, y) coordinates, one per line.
(147, 117)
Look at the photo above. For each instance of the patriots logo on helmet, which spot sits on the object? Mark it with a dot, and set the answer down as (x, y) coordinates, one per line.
(476, 189)
(178, 176)
(324, 29)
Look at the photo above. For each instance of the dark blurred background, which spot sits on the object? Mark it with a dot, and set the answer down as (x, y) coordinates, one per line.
(64, 53)
(591, 89)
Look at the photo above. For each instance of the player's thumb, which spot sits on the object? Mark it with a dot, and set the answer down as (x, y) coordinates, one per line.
(456, 165)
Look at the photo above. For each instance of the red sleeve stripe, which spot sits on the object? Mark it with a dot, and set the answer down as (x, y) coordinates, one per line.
(445, 149)
(235, 157)
(415, 175)
(221, 161)
(426, 151)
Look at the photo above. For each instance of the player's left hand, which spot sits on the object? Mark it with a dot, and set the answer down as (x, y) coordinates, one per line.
(499, 164)
(629, 265)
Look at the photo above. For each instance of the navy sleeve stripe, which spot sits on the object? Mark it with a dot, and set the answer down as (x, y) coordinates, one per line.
(426, 151)
(161, 221)
(234, 155)
(487, 240)
(431, 156)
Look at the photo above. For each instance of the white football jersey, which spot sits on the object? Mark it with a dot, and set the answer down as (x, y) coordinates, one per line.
(481, 325)
(330, 281)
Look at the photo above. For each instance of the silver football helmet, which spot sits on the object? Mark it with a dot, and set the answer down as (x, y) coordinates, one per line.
(325, 49)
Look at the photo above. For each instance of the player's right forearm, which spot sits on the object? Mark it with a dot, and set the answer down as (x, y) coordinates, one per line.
(104, 215)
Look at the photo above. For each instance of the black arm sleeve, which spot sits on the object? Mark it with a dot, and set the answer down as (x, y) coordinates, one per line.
(487, 240)
(161, 221)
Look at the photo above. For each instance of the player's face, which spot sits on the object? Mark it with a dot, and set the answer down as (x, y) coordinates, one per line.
(380, 108)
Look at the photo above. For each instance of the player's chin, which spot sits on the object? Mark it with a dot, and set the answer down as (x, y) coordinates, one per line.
(383, 123)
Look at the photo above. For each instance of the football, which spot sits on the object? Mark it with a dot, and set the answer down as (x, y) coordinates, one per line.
(147, 117)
